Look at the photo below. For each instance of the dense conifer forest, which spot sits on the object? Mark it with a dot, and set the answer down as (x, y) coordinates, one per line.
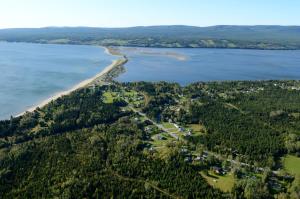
(101, 142)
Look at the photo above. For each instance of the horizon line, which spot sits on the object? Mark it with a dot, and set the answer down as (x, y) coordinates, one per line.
(145, 26)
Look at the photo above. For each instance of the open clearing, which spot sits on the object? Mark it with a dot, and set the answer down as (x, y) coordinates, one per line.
(292, 164)
(224, 183)
(108, 97)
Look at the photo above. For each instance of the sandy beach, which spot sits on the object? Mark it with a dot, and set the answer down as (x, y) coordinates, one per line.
(151, 52)
(82, 84)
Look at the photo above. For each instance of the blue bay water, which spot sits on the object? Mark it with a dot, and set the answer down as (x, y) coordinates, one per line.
(209, 65)
(31, 73)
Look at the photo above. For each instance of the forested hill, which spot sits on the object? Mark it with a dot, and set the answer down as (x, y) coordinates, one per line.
(81, 146)
(256, 37)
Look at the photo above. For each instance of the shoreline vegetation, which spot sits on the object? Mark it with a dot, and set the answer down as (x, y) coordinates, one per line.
(104, 77)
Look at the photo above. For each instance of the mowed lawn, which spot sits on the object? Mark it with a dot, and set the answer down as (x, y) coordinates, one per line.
(108, 97)
(168, 125)
(224, 183)
(292, 164)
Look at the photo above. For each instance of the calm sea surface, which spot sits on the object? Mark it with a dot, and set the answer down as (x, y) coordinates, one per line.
(31, 73)
(190, 65)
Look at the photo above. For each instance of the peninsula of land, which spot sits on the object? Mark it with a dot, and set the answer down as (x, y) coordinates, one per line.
(104, 77)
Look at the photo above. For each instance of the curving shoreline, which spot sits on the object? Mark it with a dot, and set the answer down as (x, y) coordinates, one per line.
(100, 77)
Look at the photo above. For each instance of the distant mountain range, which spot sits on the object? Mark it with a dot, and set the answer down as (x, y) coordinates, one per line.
(259, 37)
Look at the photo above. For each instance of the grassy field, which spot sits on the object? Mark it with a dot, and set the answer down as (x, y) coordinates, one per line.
(161, 142)
(292, 164)
(131, 93)
(161, 146)
(197, 129)
(108, 97)
(134, 98)
(224, 183)
(168, 125)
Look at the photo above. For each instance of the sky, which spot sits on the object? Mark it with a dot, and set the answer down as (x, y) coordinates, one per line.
(127, 13)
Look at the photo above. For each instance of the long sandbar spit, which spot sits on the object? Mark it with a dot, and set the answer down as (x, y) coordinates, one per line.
(100, 76)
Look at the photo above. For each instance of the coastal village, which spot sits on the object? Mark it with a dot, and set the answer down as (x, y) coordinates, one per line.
(161, 137)
(165, 131)
(164, 136)
(134, 99)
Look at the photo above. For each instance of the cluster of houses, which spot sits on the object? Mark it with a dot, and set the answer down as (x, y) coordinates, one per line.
(252, 90)
(218, 170)
(188, 157)
(202, 158)
(187, 132)
(137, 99)
(284, 86)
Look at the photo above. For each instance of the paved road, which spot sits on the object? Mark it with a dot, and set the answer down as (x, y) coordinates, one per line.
(218, 156)
(208, 152)
(154, 123)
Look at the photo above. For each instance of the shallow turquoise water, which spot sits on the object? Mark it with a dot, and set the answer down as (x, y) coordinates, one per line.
(209, 65)
(31, 73)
